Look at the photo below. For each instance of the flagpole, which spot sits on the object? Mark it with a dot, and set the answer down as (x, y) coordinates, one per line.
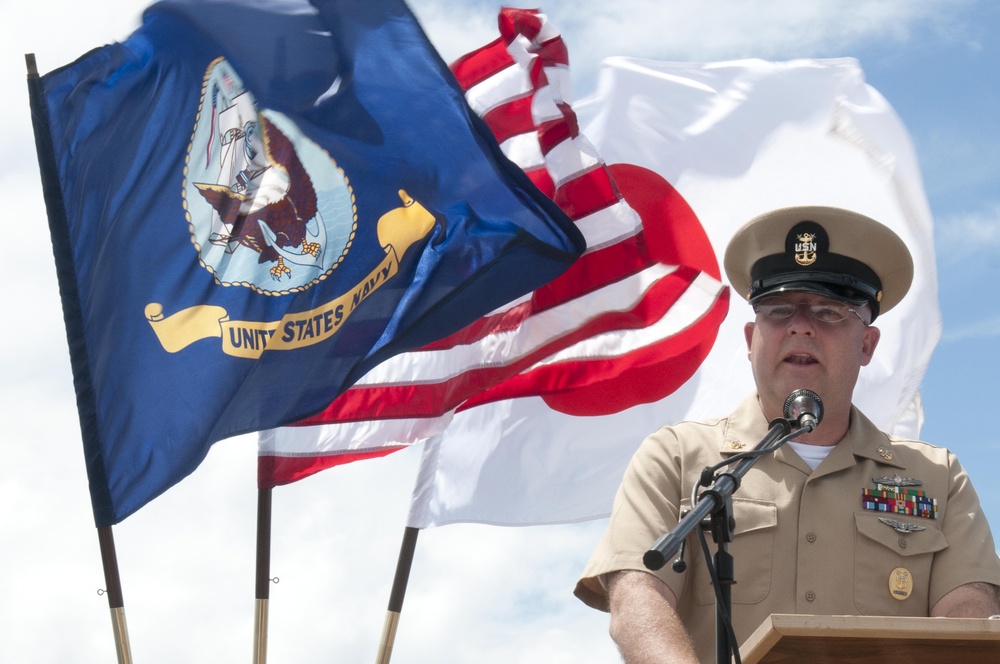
(53, 197)
(403, 566)
(114, 590)
(263, 575)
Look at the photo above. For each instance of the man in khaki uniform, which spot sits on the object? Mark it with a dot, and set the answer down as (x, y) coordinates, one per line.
(845, 520)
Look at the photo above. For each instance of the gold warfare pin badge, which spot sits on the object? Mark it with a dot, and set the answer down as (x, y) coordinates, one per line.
(900, 583)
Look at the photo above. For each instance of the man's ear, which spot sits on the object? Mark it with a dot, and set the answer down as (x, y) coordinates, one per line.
(868, 343)
(748, 334)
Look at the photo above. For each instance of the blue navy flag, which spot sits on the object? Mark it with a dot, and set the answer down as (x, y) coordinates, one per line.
(254, 203)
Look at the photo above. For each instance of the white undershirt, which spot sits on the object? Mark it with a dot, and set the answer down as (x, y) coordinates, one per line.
(812, 454)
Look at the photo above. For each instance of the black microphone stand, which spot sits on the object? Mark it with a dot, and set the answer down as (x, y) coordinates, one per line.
(717, 501)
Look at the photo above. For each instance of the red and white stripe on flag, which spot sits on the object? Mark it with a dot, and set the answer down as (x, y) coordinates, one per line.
(628, 323)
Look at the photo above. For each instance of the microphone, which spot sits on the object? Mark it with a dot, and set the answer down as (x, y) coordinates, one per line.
(804, 408)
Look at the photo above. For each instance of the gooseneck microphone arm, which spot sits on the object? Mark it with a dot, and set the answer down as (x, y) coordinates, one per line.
(803, 410)
(714, 497)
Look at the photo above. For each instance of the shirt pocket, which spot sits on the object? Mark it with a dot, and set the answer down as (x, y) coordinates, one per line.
(752, 549)
(879, 550)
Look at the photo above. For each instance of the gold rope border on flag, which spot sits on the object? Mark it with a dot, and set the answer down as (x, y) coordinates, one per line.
(397, 230)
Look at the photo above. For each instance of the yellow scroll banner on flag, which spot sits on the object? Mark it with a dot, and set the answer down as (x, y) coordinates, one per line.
(397, 230)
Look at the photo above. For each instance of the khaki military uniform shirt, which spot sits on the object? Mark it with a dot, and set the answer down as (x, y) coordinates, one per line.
(804, 541)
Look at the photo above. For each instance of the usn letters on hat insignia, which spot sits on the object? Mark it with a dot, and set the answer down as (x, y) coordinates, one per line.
(806, 249)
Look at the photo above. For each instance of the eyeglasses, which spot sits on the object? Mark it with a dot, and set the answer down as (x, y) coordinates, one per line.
(827, 311)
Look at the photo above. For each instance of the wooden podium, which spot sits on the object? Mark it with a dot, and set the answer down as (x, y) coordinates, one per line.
(864, 639)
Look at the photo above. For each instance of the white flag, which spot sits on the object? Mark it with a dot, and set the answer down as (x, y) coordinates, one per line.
(734, 139)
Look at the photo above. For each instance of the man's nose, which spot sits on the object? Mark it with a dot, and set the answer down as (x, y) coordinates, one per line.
(802, 321)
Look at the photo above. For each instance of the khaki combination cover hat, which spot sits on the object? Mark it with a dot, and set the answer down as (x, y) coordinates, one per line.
(824, 250)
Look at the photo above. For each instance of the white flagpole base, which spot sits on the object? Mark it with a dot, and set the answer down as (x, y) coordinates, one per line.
(388, 637)
(260, 632)
(122, 648)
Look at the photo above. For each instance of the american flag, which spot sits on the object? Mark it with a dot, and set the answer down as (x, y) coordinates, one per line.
(628, 323)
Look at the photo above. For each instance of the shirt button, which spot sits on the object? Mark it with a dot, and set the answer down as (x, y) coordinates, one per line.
(810, 596)
(810, 537)
(902, 543)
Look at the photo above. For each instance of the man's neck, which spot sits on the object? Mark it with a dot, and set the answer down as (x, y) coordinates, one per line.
(827, 433)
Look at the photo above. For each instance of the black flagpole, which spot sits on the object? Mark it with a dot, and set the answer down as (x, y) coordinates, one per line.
(403, 566)
(114, 590)
(263, 576)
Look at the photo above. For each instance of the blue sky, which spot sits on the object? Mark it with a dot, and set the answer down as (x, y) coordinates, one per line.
(941, 86)
(477, 593)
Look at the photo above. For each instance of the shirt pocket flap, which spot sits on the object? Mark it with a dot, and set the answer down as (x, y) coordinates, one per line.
(913, 543)
(753, 551)
(754, 515)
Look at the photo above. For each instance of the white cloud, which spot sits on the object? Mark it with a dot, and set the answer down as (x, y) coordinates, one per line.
(696, 30)
(973, 234)
(981, 329)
